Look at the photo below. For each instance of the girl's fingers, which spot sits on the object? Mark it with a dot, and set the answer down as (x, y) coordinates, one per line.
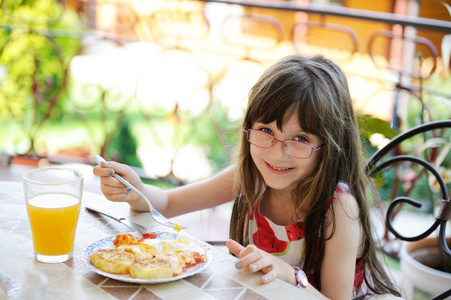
(259, 261)
(121, 169)
(110, 181)
(246, 256)
(103, 169)
(241, 251)
(114, 190)
(254, 259)
(109, 168)
(234, 247)
(267, 269)
(270, 276)
(117, 194)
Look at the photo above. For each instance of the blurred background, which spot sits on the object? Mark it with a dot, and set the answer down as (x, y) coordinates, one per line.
(162, 85)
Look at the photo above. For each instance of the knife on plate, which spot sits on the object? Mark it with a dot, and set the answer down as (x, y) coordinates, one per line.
(141, 229)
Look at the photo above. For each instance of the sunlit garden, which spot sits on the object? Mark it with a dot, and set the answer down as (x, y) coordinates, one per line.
(172, 109)
(162, 86)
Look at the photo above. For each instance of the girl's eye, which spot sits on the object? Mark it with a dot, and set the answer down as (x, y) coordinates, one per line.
(301, 138)
(266, 130)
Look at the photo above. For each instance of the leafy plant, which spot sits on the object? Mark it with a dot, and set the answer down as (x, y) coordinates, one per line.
(34, 60)
(123, 147)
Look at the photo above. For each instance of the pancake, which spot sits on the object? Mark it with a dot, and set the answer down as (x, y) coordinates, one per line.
(114, 261)
(154, 268)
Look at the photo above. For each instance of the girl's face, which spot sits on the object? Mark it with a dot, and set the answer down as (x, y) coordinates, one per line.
(280, 170)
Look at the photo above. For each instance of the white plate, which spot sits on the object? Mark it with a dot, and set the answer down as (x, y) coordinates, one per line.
(107, 243)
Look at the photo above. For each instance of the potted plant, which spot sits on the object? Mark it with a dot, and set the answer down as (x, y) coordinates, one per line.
(425, 269)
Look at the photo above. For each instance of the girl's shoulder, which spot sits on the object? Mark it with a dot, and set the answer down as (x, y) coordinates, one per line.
(341, 188)
(346, 200)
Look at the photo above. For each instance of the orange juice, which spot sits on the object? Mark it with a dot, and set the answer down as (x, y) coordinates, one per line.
(53, 221)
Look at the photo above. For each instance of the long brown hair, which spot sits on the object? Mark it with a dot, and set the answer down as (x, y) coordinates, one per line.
(317, 90)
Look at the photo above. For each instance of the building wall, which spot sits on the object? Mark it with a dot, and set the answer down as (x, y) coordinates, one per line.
(433, 9)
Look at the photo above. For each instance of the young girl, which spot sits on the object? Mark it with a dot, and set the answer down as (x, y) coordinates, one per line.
(298, 185)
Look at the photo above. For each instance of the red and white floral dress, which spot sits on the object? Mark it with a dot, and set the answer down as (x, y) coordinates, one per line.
(287, 242)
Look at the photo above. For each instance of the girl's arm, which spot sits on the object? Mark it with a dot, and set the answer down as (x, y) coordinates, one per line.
(208, 193)
(273, 267)
(338, 266)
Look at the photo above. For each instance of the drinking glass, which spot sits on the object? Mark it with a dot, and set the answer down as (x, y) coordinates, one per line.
(53, 199)
(22, 284)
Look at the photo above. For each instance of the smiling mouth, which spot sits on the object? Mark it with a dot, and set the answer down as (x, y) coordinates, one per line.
(278, 168)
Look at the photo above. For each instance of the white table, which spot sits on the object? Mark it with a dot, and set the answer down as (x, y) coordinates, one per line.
(74, 280)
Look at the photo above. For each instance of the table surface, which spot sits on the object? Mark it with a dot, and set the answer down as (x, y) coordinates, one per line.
(74, 280)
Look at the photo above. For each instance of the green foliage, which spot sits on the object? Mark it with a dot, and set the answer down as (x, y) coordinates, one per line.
(435, 104)
(33, 56)
(370, 125)
(123, 146)
(219, 134)
(31, 12)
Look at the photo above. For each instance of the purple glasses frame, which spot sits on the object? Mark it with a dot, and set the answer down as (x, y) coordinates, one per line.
(248, 130)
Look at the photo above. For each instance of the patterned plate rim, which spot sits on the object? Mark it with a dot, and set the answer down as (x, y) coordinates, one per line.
(108, 243)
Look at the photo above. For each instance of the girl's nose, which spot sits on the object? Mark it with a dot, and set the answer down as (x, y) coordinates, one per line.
(278, 149)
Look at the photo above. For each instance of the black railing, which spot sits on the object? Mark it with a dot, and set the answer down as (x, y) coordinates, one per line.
(359, 14)
(386, 158)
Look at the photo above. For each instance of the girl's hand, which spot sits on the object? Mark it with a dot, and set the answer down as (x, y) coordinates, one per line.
(259, 260)
(113, 189)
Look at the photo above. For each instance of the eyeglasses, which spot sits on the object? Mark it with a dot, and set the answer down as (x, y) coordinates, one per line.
(293, 148)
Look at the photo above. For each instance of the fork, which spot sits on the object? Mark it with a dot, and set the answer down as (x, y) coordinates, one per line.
(156, 215)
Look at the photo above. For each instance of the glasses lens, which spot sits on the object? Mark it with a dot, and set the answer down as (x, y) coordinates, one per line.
(298, 149)
(260, 138)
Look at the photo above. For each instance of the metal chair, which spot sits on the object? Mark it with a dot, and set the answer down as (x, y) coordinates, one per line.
(384, 159)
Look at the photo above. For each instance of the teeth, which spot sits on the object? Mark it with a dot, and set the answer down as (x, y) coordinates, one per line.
(279, 169)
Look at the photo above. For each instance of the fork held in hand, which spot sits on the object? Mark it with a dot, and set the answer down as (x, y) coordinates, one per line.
(153, 212)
